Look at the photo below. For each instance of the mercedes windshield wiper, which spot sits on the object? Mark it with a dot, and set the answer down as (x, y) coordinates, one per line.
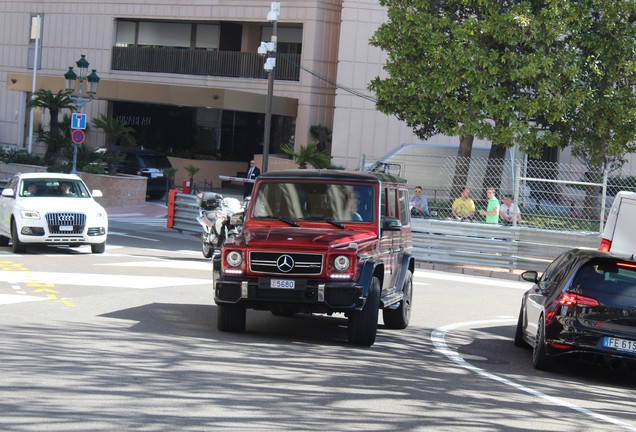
(322, 219)
(286, 220)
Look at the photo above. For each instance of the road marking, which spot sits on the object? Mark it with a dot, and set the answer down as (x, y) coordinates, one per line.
(438, 338)
(114, 233)
(183, 265)
(19, 298)
(98, 279)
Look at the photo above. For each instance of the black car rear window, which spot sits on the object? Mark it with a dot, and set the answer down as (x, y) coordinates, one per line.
(155, 161)
(605, 277)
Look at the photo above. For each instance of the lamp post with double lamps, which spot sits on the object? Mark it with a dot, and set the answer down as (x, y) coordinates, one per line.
(80, 100)
(269, 49)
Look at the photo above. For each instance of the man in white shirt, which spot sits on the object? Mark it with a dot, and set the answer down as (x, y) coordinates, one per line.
(509, 211)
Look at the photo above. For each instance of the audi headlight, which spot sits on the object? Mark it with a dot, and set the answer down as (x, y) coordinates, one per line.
(234, 259)
(341, 263)
(29, 214)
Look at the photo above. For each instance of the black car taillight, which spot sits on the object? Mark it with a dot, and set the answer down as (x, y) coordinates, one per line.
(569, 302)
(570, 299)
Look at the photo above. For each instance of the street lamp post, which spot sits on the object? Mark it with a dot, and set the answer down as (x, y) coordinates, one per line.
(80, 100)
(269, 48)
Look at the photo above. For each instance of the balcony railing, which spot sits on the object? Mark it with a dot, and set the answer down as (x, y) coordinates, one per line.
(203, 62)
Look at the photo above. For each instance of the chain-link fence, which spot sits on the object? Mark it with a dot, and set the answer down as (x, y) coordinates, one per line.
(553, 196)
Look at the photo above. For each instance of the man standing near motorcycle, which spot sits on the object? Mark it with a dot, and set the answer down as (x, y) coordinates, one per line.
(252, 172)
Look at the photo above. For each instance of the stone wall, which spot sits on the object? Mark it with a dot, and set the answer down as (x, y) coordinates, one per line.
(119, 191)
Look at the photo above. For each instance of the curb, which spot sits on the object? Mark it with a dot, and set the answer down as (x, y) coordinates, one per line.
(471, 271)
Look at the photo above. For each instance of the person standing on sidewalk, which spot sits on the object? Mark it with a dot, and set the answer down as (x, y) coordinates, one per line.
(492, 212)
(252, 172)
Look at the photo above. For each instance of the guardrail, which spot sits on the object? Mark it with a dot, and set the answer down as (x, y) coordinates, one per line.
(441, 241)
(182, 212)
(449, 242)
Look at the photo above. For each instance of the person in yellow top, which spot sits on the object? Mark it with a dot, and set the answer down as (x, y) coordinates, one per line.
(463, 208)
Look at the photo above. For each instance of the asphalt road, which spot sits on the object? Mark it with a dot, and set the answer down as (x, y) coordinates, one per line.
(127, 340)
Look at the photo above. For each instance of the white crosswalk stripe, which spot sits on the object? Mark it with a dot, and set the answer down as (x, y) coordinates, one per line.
(16, 280)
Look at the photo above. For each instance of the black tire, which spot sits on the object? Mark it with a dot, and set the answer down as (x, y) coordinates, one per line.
(156, 195)
(519, 340)
(230, 319)
(4, 241)
(399, 318)
(98, 248)
(363, 325)
(16, 245)
(206, 248)
(540, 359)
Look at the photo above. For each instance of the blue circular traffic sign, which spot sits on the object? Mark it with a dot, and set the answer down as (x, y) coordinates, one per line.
(78, 136)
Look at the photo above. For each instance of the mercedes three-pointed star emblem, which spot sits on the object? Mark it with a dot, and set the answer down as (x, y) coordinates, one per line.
(285, 263)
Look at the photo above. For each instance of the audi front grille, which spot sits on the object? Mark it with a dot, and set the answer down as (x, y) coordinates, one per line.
(66, 223)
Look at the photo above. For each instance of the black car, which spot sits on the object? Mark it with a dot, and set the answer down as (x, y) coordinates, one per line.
(147, 163)
(584, 304)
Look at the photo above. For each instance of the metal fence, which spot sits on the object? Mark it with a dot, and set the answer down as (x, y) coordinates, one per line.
(552, 196)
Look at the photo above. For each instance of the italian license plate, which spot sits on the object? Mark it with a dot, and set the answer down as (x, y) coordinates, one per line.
(282, 283)
(620, 344)
(66, 227)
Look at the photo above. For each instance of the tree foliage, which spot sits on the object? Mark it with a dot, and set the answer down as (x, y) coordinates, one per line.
(308, 155)
(117, 134)
(534, 72)
(54, 137)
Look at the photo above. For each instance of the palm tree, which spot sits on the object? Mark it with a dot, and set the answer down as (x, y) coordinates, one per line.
(117, 134)
(308, 155)
(55, 103)
(322, 135)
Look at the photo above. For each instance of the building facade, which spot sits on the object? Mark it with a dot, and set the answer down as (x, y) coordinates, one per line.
(186, 76)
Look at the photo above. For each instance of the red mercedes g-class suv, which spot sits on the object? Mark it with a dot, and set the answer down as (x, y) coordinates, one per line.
(321, 241)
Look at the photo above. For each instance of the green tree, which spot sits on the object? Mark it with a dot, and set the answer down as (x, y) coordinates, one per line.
(192, 170)
(322, 135)
(472, 69)
(55, 103)
(600, 125)
(117, 134)
(308, 155)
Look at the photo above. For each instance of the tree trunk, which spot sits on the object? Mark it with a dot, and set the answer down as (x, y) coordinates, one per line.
(462, 165)
(52, 150)
(494, 168)
(591, 208)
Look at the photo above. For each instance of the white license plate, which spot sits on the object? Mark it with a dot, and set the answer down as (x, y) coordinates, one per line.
(620, 344)
(66, 227)
(282, 283)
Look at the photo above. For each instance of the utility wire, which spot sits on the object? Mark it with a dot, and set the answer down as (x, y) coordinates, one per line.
(333, 83)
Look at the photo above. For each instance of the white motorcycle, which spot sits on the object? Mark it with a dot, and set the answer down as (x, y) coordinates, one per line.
(220, 218)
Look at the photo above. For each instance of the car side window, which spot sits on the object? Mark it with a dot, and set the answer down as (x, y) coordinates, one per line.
(555, 272)
(391, 202)
(405, 214)
(13, 184)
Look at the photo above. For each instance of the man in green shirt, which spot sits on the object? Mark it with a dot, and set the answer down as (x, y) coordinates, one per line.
(492, 213)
